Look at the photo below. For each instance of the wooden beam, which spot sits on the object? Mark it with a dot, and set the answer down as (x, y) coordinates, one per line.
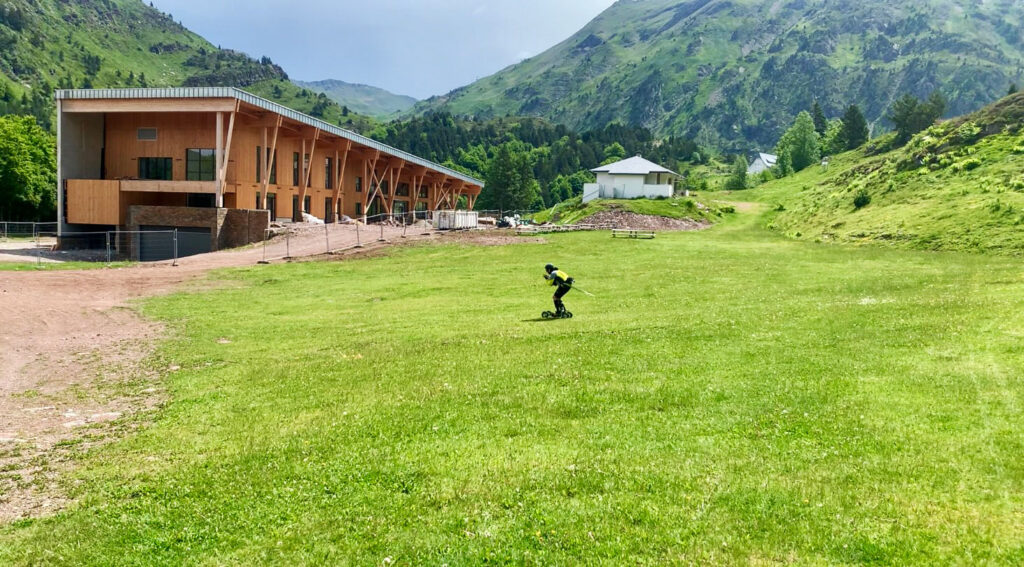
(338, 193)
(394, 190)
(218, 158)
(225, 159)
(271, 158)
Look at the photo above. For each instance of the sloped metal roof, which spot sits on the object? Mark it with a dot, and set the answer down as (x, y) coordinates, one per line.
(633, 166)
(249, 98)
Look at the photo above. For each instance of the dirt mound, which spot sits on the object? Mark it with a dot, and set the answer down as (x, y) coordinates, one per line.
(624, 219)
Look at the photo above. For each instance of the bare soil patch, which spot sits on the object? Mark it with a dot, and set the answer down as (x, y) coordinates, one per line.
(625, 219)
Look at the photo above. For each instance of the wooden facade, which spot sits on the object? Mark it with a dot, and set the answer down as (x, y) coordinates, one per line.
(327, 171)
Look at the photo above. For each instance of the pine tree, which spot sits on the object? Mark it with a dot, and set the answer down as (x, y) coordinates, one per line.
(820, 122)
(855, 128)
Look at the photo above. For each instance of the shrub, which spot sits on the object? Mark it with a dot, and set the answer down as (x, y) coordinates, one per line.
(861, 199)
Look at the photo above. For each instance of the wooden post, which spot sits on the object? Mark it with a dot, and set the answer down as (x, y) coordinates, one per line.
(395, 180)
(338, 193)
(306, 169)
(218, 157)
(271, 161)
(222, 173)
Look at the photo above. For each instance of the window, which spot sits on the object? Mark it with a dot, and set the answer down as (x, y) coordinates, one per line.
(359, 185)
(423, 191)
(146, 134)
(295, 169)
(329, 173)
(156, 168)
(200, 164)
(306, 171)
(259, 168)
(402, 190)
(307, 204)
(359, 209)
(259, 202)
(384, 188)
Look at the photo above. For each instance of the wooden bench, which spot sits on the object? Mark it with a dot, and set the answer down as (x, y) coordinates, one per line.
(630, 233)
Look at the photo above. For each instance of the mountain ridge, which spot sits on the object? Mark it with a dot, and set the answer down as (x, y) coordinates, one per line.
(360, 98)
(734, 73)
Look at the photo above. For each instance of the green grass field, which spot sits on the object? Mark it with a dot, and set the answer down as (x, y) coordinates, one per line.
(729, 397)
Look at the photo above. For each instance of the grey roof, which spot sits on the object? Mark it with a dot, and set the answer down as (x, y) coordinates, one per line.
(632, 166)
(249, 98)
(768, 159)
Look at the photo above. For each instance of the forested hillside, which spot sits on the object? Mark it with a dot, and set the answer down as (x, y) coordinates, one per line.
(553, 156)
(49, 44)
(733, 74)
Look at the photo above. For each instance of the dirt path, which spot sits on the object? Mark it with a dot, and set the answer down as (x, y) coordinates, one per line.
(72, 352)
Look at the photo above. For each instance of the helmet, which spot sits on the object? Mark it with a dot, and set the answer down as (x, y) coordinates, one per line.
(550, 268)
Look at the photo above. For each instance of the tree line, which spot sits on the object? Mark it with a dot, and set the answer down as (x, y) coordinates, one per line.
(812, 136)
(529, 162)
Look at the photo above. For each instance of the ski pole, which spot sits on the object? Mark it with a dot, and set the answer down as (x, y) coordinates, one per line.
(584, 291)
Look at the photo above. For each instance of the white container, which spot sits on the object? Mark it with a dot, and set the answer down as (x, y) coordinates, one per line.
(455, 220)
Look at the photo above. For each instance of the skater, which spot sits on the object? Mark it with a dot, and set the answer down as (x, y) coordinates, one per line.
(564, 284)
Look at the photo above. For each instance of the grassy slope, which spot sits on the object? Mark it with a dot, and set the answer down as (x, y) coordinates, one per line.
(731, 396)
(574, 211)
(946, 190)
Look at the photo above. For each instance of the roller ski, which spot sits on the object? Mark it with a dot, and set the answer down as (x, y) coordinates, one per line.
(556, 315)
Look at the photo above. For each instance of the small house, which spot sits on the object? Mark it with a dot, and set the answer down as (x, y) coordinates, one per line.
(631, 178)
(762, 163)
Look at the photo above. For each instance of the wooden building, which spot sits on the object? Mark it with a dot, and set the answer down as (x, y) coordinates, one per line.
(223, 148)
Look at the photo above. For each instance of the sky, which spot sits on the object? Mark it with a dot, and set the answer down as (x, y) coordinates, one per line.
(418, 48)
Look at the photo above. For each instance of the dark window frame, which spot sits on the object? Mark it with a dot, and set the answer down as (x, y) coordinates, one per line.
(200, 164)
(156, 168)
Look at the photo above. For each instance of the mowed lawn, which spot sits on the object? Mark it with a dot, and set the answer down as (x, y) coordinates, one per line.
(729, 397)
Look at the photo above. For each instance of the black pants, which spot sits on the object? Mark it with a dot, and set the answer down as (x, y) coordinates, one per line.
(559, 293)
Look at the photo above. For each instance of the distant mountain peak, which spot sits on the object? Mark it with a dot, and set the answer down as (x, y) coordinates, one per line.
(362, 99)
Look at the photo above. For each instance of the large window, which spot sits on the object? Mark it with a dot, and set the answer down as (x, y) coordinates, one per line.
(200, 164)
(402, 190)
(384, 188)
(423, 191)
(329, 173)
(306, 171)
(156, 168)
(359, 184)
(295, 169)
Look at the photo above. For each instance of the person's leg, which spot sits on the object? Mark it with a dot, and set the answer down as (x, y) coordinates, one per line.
(559, 306)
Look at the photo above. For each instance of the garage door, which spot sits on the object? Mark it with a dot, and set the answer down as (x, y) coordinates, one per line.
(156, 243)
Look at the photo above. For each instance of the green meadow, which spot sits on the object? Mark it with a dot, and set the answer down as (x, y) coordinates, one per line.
(728, 397)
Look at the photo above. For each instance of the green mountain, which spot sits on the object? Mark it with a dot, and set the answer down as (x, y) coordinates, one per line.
(363, 99)
(734, 73)
(48, 44)
(956, 186)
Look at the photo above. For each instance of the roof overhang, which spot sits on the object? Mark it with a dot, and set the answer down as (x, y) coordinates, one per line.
(224, 99)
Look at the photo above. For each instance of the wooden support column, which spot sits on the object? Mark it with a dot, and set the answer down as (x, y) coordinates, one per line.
(395, 180)
(338, 193)
(218, 157)
(225, 155)
(270, 158)
(371, 190)
(307, 169)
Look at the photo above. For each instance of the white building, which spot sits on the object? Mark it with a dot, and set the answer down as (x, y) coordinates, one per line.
(631, 178)
(763, 162)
